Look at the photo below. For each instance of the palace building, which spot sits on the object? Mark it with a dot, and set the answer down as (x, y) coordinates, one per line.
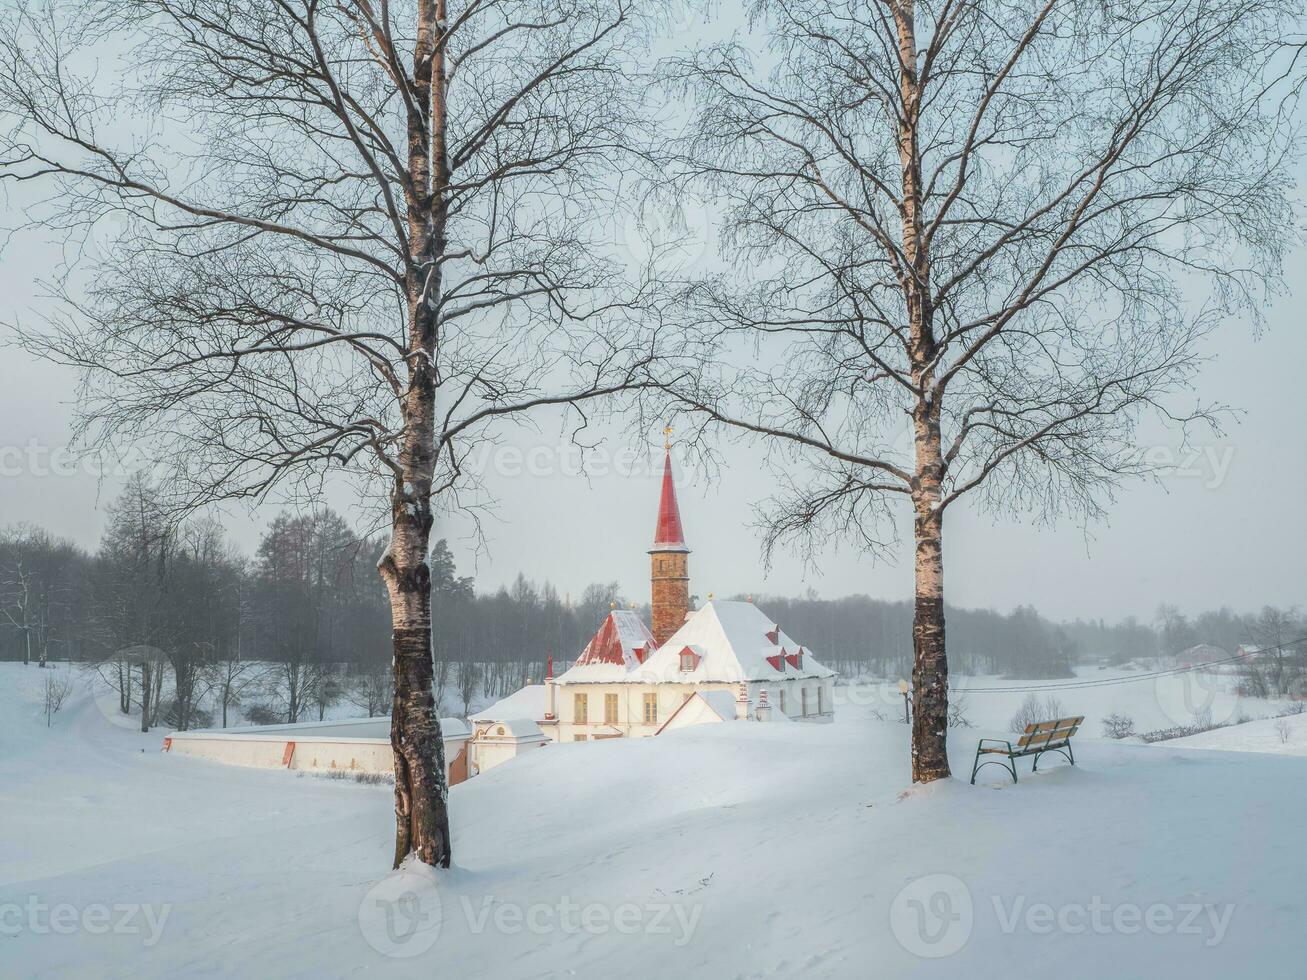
(725, 661)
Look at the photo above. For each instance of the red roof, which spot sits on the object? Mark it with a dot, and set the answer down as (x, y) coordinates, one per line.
(668, 536)
(621, 635)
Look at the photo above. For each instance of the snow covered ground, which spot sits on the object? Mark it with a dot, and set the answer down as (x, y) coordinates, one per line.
(734, 850)
(1284, 736)
(1152, 702)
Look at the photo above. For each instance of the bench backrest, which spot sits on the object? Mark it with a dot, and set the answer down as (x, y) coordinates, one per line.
(1041, 734)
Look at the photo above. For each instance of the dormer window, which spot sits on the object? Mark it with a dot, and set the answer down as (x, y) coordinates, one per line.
(689, 659)
(796, 659)
(774, 635)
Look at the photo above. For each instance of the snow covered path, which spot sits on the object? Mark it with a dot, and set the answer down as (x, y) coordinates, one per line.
(723, 851)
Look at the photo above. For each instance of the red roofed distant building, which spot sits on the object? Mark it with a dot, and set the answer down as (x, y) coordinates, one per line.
(717, 663)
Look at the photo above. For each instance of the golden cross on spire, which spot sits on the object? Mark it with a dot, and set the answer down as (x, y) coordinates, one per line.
(667, 437)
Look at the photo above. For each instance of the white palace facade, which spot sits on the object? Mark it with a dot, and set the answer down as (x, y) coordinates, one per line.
(725, 661)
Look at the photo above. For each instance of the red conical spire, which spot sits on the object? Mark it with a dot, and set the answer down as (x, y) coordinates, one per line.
(668, 536)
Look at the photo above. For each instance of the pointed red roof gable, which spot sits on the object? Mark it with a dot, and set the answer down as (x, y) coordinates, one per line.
(668, 536)
(622, 637)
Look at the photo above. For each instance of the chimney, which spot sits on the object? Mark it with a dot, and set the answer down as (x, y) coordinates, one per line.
(549, 688)
(742, 704)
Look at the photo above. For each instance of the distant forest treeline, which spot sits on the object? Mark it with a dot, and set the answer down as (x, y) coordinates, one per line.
(163, 602)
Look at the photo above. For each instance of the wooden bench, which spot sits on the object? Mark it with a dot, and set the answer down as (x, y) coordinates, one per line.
(1038, 738)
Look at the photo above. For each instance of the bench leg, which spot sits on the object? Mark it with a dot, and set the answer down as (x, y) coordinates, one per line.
(1064, 750)
(1010, 766)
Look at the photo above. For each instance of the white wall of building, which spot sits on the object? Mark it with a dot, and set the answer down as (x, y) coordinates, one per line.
(311, 746)
(498, 742)
(630, 719)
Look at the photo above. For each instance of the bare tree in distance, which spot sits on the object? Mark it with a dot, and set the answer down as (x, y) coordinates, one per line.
(128, 595)
(231, 680)
(58, 685)
(354, 236)
(35, 586)
(373, 689)
(986, 220)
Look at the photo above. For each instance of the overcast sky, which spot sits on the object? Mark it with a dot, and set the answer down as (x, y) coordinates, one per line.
(1227, 527)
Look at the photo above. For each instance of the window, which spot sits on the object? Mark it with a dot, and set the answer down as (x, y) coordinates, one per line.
(651, 709)
(804, 694)
(579, 738)
(781, 692)
(689, 659)
(821, 705)
(610, 709)
(579, 708)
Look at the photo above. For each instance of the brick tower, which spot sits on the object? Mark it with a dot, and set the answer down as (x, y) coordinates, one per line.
(669, 560)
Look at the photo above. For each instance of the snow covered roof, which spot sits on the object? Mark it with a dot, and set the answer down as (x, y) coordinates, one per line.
(734, 641)
(514, 730)
(699, 707)
(349, 728)
(529, 702)
(668, 535)
(618, 647)
(1201, 654)
(722, 702)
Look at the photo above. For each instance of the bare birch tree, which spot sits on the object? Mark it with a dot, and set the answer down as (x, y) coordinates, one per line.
(989, 218)
(353, 235)
(127, 594)
(231, 680)
(58, 685)
(35, 587)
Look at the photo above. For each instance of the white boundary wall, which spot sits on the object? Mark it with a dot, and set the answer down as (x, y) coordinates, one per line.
(355, 745)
